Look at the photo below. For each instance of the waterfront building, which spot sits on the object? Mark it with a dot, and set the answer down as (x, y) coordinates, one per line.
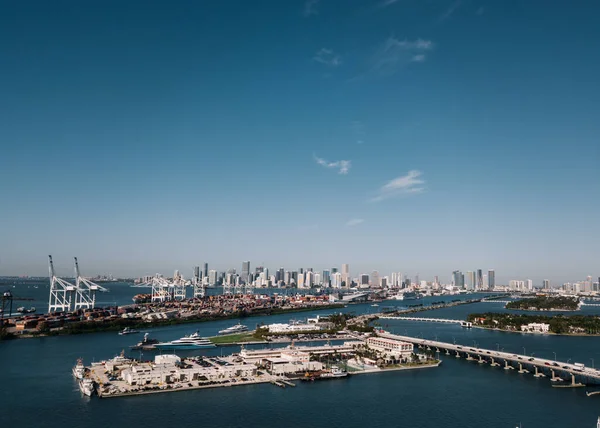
(384, 282)
(479, 279)
(392, 347)
(292, 328)
(491, 278)
(536, 327)
(485, 282)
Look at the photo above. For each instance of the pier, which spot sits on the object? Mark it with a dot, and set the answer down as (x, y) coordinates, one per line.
(539, 365)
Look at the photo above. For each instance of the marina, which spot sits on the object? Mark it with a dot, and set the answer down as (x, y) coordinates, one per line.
(122, 376)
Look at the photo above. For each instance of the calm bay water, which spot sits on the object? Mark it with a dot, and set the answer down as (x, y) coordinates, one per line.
(38, 388)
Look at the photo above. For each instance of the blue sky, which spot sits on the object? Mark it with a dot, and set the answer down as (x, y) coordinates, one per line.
(414, 136)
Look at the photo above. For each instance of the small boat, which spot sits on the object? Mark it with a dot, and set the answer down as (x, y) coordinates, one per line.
(374, 304)
(146, 343)
(128, 330)
(193, 341)
(238, 328)
(334, 373)
(79, 369)
(87, 387)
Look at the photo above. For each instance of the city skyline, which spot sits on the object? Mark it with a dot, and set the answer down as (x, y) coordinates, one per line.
(392, 136)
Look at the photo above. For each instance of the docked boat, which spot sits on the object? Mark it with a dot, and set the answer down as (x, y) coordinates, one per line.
(408, 295)
(128, 330)
(334, 373)
(193, 341)
(146, 343)
(87, 387)
(374, 305)
(238, 328)
(79, 369)
(23, 310)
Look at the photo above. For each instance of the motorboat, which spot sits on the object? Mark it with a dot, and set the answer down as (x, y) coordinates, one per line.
(86, 385)
(79, 369)
(128, 330)
(146, 343)
(238, 328)
(193, 341)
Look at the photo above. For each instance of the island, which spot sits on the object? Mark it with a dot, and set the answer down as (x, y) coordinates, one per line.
(545, 303)
(582, 325)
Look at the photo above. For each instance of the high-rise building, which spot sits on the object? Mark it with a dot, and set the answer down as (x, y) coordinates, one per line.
(300, 280)
(546, 284)
(309, 279)
(326, 278)
(334, 270)
(375, 279)
(364, 281)
(287, 276)
(458, 279)
(491, 278)
(205, 270)
(245, 270)
(317, 277)
(485, 282)
(281, 274)
(212, 277)
(470, 280)
(384, 282)
(479, 279)
(346, 274)
(529, 284)
(336, 280)
(394, 280)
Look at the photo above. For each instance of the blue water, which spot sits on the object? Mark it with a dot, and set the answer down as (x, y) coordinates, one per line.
(38, 388)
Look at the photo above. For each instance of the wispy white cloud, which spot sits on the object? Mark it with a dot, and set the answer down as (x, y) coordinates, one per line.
(328, 57)
(343, 166)
(393, 54)
(448, 13)
(387, 3)
(311, 8)
(408, 184)
(354, 222)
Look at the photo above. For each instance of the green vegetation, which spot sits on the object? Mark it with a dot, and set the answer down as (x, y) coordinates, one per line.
(545, 303)
(559, 324)
(234, 338)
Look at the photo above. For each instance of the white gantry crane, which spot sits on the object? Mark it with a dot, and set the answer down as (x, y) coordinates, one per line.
(85, 290)
(61, 291)
(199, 289)
(160, 289)
(179, 285)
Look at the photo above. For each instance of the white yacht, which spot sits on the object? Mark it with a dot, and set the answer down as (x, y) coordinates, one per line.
(238, 328)
(87, 386)
(79, 369)
(128, 330)
(335, 372)
(193, 341)
(408, 295)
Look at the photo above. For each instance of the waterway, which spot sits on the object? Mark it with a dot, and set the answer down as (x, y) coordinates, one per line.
(38, 388)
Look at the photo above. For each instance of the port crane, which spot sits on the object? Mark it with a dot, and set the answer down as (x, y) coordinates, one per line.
(65, 296)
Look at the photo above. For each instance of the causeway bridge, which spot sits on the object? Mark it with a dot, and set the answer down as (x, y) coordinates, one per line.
(525, 363)
(441, 320)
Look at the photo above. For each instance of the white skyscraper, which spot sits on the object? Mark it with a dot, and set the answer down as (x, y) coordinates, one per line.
(346, 274)
(530, 285)
(394, 280)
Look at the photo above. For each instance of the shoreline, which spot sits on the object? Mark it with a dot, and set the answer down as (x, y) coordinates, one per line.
(537, 334)
(65, 331)
(262, 381)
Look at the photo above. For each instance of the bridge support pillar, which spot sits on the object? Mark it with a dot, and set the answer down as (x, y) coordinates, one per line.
(554, 378)
(507, 367)
(494, 364)
(481, 360)
(521, 369)
(447, 352)
(457, 354)
(538, 373)
(572, 379)
(469, 358)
